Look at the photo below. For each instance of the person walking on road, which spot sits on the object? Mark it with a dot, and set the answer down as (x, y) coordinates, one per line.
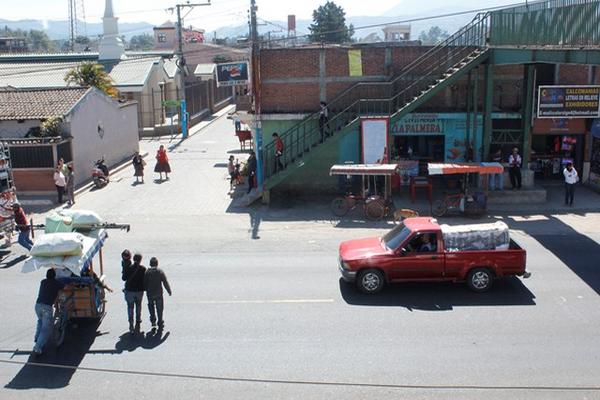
(133, 276)
(138, 165)
(571, 178)
(251, 168)
(514, 171)
(22, 226)
(60, 182)
(44, 310)
(154, 280)
(162, 163)
(70, 186)
(323, 120)
(278, 152)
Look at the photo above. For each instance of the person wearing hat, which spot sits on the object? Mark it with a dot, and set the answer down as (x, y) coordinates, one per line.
(22, 226)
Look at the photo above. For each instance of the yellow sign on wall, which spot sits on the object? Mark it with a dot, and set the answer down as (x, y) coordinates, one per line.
(355, 62)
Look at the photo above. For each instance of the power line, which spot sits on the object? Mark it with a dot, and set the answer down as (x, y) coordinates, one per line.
(438, 16)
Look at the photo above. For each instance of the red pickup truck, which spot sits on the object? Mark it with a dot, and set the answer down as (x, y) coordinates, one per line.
(414, 251)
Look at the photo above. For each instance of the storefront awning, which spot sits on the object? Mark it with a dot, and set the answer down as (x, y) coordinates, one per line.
(363, 169)
(464, 168)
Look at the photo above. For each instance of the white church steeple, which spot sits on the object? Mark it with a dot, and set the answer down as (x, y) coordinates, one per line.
(111, 46)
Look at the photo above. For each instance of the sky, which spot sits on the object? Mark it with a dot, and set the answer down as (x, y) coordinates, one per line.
(219, 13)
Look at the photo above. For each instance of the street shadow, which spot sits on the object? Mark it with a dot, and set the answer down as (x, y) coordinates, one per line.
(577, 251)
(175, 145)
(11, 263)
(255, 219)
(55, 367)
(129, 342)
(440, 296)
(159, 181)
(220, 165)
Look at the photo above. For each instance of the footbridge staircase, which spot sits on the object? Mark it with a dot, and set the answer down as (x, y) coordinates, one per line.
(554, 29)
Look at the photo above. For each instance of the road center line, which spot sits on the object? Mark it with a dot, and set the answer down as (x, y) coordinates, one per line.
(281, 301)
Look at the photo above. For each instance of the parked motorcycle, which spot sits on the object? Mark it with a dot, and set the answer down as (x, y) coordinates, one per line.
(100, 174)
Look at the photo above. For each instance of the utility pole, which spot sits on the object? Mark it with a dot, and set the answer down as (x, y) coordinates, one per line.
(181, 60)
(255, 66)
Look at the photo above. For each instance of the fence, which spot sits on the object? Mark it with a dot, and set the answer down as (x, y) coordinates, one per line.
(38, 153)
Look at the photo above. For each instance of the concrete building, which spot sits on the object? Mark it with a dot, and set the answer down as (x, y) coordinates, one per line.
(94, 125)
(396, 33)
(165, 36)
(146, 77)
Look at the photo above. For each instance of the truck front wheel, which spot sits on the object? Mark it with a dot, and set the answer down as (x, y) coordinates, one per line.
(480, 280)
(371, 281)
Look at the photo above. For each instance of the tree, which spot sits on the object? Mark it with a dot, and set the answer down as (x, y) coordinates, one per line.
(141, 42)
(82, 40)
(91, 74)
(329, 25)
(36, 40)
(221, 58)
(434, 36)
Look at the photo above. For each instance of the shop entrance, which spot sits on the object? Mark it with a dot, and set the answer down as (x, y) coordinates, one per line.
(424, 148)
(551, 153)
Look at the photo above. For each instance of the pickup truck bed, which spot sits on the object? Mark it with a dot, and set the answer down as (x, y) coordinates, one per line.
(373, 262)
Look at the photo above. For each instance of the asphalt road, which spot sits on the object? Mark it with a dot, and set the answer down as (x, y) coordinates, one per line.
(259, 312)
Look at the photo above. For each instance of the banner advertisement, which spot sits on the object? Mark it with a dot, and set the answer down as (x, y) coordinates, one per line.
(231, 74)
(569, 102)
(374, 140)
(355, 62)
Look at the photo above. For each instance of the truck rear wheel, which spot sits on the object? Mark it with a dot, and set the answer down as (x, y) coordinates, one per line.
(371, 281)
(480, 280)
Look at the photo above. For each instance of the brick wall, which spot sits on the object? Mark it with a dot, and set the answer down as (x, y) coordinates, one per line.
(572, 74)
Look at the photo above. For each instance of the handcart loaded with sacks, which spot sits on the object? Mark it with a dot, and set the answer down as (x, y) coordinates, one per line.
(72, 245)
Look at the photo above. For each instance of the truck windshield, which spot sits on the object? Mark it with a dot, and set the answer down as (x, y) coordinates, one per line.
(396, 236)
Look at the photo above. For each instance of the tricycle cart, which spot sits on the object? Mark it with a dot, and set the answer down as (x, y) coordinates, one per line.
(83, 272)
(466, 201)
(375, 193)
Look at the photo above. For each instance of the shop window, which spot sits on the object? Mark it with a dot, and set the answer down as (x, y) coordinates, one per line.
(162, 37)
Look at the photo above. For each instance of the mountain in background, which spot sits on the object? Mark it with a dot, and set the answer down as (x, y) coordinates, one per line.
(404, 10)
(59, 30)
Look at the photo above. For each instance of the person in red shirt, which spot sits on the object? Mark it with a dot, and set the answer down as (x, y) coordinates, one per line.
(278, 152)
(162, 162)
(22, 226)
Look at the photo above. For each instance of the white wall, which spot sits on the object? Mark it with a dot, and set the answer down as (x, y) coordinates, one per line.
(14, 129)
(120, 139)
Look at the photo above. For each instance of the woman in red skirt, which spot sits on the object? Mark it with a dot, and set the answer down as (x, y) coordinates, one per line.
(162, 163)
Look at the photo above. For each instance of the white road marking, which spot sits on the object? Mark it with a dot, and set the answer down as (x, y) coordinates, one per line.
(281, 301)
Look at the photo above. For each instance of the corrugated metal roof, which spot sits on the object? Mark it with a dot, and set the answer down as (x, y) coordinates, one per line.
(39, 104)
(31, 75)
(204, 69)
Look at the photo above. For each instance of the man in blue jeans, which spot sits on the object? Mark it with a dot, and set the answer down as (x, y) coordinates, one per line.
(21, 221)
(44, 310)
(154, 280)
(133, 275)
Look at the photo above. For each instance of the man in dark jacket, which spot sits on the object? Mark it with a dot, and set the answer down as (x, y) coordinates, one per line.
(133, 276)
(154, 280)
(47, 295)
(24, 230)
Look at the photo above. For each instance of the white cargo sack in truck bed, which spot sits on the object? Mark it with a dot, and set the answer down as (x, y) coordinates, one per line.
(476, 237)
(58, 244)
(82, 218)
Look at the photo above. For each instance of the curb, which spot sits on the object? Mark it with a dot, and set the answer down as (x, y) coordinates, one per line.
(113, 171)
(212, 121)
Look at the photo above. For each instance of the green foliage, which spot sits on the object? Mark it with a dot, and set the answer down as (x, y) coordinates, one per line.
(82, 40)
(221, 58)
(434, 36)
(91, 74)
(36, 40)
(141, 42)
(329, 25)
(51, 127)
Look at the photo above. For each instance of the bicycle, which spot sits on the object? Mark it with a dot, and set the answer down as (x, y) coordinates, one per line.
(450, 202)
(374, 207)
(61, 317)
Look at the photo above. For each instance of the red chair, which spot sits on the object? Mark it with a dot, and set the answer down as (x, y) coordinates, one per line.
(420, 182)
